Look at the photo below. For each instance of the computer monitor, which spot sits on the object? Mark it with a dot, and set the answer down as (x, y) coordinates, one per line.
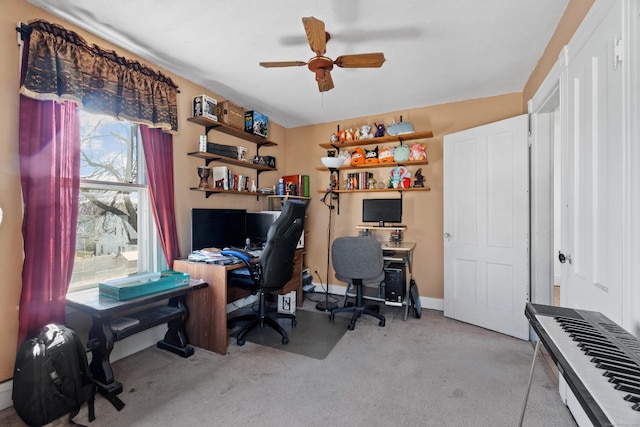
(382, 211)
(217, 228)
(258, 224)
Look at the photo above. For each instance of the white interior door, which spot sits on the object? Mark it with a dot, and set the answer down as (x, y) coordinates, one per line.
(592, 203)
(486, 225)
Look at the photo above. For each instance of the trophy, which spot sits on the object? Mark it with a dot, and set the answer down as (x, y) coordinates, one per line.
(204, 172)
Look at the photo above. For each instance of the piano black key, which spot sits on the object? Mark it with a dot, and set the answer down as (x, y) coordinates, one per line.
(636, 407)
(627, 389)
(597, 343)
(625, 365)
(618, 355)
(603, 346)
(615, 377)
(616, 368)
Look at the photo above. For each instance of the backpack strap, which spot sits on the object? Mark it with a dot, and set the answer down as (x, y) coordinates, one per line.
(84, 367)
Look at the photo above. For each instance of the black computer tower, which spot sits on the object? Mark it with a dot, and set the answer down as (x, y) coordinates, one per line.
(394, 283)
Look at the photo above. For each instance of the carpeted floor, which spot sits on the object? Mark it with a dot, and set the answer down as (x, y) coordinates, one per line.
(431, 371)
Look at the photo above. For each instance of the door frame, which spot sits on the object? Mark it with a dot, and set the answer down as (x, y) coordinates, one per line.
(541, 173)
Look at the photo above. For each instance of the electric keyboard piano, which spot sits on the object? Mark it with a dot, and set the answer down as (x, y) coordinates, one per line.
(598, 359)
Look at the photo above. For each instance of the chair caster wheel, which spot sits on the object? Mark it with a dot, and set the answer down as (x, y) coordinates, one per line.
(351, 326)
(240, 342)
(381, 323)
(285, 340)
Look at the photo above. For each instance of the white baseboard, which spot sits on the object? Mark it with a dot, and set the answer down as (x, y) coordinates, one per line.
(5, 394)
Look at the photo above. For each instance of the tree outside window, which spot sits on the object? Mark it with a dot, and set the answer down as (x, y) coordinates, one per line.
(113, 195)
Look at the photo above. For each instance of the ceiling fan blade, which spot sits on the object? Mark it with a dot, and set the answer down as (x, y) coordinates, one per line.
(326, 83)
(282, 64)
(362, 60)
(316, 35)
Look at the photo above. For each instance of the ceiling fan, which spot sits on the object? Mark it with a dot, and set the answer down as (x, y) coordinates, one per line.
(320, 64)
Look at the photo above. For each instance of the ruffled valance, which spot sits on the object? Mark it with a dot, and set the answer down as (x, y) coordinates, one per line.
(59, 65)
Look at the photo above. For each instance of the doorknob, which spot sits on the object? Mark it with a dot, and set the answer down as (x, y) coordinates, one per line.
(447, 236)
(563, 258)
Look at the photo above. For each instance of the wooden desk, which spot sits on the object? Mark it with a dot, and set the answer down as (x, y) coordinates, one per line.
(207, 325)
(104, 309)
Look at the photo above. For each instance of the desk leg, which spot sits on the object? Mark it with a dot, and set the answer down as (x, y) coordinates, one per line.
(175, 340)
(407, 287)
(101, 344)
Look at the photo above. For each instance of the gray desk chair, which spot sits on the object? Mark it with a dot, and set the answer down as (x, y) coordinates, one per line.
(358, 261)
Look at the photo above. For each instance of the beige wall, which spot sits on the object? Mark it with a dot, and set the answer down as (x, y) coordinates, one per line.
(571, 19)
(422, 211)
(297, 153)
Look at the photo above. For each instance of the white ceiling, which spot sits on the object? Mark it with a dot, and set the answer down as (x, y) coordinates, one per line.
(436, 51)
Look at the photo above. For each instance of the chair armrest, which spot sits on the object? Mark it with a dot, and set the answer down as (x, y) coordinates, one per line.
(238, 252)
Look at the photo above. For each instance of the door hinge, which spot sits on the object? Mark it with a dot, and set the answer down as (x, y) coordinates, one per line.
(618, 51)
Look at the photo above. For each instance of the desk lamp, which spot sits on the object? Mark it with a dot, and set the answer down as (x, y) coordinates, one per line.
(332, 163)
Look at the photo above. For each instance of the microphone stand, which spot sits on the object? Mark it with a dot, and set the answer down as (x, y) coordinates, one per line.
(327, 305)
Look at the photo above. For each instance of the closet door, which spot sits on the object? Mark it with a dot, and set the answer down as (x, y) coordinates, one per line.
(593, 185)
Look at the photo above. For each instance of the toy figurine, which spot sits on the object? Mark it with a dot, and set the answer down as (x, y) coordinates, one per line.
(417, 152)
(419, 179)
(365, 132)
(380, 130)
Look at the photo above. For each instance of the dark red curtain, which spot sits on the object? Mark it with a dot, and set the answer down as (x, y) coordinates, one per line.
(158, 154)
(50, 176)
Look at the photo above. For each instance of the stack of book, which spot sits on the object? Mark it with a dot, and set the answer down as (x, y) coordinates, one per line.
(358, 180)
(225, 179)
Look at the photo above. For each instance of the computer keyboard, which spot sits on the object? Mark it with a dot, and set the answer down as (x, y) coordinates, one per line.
(255, 252)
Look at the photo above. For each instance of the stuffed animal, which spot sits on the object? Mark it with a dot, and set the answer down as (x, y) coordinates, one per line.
(357, 157)
(346, 156)
(379, 130)
(365, 132)
(349, 135)
(385, 155)
(401, 153)
(371, 156)
(398, 177)
(418, 152)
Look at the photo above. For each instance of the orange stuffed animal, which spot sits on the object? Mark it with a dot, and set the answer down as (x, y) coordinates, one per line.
(357, 157)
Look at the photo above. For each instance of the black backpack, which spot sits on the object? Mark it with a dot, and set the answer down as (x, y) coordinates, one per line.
(51, 377)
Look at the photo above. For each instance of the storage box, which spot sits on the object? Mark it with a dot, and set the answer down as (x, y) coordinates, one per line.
(222, 150)
(287, 303)
(205, 106)
(256, 123)
(231, 114)
(142, 284)
(296, 185)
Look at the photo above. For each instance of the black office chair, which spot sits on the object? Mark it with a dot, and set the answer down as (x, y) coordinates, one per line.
(271, 271)
(358, 261)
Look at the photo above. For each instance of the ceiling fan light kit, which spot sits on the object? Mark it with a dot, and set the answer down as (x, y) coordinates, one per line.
(322, 65)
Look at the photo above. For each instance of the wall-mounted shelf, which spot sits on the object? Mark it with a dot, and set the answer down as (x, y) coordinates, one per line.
(380, 140)
(378, 165)
(229, 130)
(386, 227)
(378, 190)
(210, 190)
(210, 157)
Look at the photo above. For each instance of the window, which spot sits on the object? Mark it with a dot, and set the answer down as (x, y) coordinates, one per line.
(116, 234)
